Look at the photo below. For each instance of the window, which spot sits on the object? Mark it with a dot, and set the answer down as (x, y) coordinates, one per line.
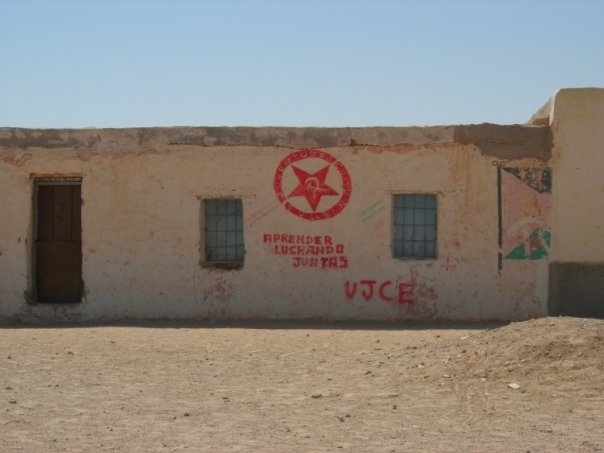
(223, 232)
(414, 226)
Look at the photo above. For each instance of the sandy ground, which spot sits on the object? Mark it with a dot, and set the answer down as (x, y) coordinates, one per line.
(304, 388)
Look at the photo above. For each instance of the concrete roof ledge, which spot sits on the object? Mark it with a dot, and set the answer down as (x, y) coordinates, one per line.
(294, 137)
(488, 137)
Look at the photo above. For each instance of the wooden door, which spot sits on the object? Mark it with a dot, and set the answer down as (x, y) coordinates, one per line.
(58, 243)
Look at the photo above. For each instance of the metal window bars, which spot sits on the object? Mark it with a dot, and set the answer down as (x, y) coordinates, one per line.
(415, 220)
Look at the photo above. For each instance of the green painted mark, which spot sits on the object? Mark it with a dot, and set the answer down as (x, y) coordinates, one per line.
(538, 244)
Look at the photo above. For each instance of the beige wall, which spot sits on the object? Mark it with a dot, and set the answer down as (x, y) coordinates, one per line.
(141, 227)
(577, 121)
(576, 275)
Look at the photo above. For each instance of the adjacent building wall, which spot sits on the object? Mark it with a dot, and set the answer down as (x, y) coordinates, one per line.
(577, 267)
(142, 192)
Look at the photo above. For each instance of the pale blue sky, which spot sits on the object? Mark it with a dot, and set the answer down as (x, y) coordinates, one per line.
(125, 63)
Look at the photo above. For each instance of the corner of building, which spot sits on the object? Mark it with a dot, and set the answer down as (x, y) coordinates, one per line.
(576, 286)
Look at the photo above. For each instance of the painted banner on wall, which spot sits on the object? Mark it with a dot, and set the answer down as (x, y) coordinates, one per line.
(527, 206)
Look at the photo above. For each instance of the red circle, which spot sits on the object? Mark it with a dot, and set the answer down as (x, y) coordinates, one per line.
(296, 156)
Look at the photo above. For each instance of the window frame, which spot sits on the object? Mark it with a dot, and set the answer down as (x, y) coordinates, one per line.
(223, 262)
(402, 228)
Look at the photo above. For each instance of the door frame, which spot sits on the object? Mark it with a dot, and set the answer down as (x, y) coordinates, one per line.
(37, 181)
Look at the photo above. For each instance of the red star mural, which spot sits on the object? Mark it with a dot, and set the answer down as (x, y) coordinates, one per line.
(312, 186)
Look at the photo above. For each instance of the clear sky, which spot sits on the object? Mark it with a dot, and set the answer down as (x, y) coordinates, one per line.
(126, 63)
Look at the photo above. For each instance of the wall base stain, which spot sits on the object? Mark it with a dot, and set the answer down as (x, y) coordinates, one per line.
(576, 289)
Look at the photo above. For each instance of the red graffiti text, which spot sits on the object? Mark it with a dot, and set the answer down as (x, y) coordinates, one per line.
(308, 251)
(324, 262)
(387, 291)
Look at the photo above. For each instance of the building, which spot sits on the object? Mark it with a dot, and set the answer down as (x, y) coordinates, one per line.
(461, 223)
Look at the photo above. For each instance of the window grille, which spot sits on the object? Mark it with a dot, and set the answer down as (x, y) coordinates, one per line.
(414, 226)
(223, 231)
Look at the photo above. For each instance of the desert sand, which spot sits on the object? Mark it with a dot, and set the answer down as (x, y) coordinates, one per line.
(533, 386)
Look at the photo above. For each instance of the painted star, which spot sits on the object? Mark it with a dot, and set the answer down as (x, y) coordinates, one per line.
(312, 186)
